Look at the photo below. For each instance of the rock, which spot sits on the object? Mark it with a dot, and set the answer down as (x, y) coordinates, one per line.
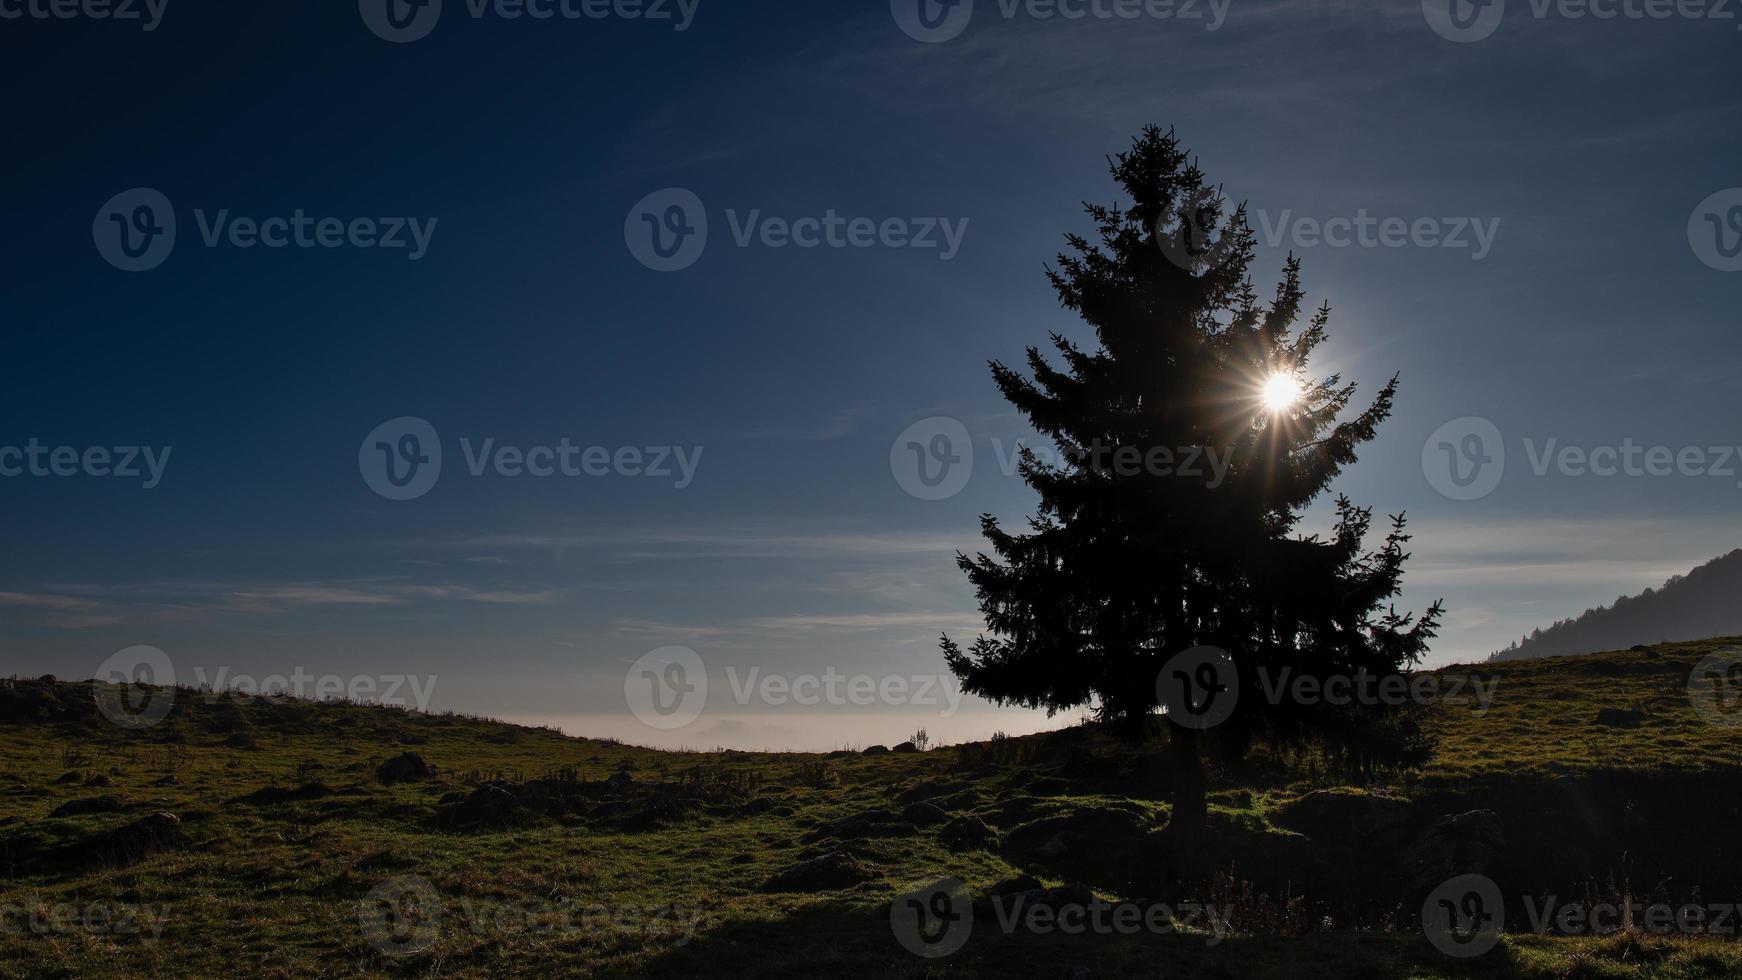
(968, 833)
(839, 754)
(876, 750)
(1619, 718)
(284, 794)
(870, 823)
(924, 814)
(100, 781)
(620, 780)
(67, 778)
(1055, 848)
(1465, 843)
(490, 805)
(407, 767)
(905, 748)
(827, 872)
(89, 804)
(138, 840)
(168, 780)
(1334, 815)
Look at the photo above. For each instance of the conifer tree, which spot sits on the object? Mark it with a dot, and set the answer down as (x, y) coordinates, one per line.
(1140, 549)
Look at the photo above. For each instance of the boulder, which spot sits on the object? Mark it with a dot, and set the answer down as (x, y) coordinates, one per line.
(1618, 718)
(89, 804)
(924, 814)
(407, 767)
(826, 872)
(968, 833)
(1459, 844)
(876, 750)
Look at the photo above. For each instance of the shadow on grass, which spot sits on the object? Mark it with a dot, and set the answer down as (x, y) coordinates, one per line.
(846, 943)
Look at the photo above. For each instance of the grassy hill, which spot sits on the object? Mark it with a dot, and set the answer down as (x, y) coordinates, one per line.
(261, 839)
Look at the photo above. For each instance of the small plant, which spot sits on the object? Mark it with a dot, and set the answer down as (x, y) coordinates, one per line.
(921, 740)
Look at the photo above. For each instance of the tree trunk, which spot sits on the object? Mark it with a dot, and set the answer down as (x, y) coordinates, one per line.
(1187, 827)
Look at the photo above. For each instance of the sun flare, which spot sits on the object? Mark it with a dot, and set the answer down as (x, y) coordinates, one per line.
(1281, 392)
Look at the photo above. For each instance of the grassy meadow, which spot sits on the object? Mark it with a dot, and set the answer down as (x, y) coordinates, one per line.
(259, 839)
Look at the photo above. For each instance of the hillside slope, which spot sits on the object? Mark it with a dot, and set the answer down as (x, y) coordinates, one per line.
(1705, 602)
(262, 839)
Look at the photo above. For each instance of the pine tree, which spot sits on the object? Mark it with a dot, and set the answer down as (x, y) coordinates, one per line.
(1139, 551)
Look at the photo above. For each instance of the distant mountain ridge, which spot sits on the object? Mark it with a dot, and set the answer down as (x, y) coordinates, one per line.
(1705, 602)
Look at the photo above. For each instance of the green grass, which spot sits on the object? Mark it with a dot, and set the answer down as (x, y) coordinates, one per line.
(275, 889)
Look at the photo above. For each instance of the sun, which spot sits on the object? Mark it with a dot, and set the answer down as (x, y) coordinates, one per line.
(1281, 392)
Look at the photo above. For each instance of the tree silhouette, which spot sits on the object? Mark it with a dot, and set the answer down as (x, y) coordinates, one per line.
(1139, 550)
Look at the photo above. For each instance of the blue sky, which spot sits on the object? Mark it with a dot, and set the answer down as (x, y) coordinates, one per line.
(1589, 319)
